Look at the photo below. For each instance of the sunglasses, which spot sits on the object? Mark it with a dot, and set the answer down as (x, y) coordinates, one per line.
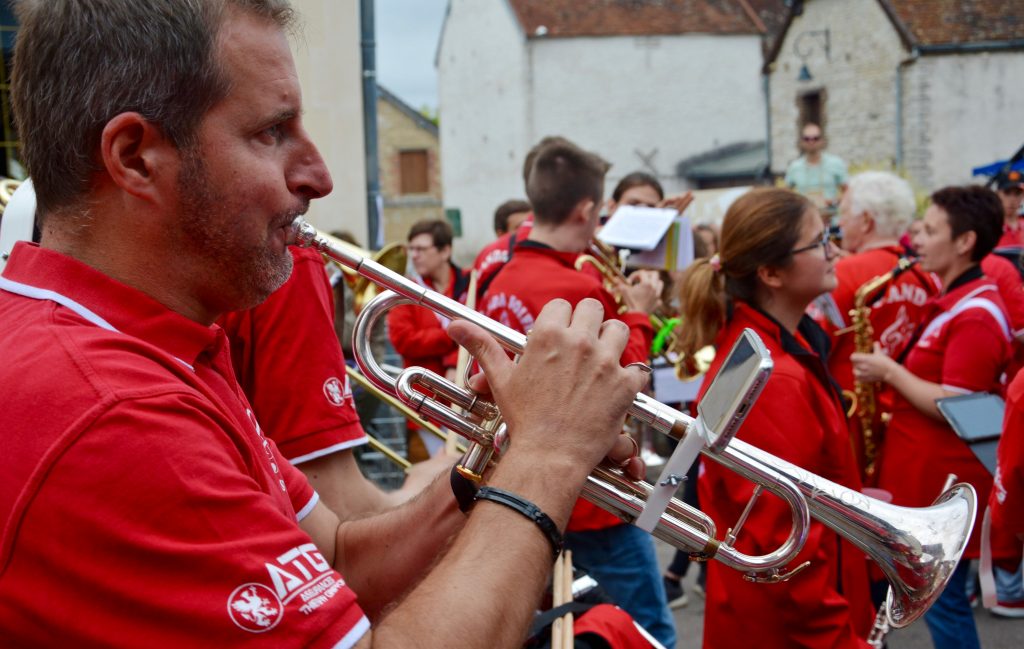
(811, 138)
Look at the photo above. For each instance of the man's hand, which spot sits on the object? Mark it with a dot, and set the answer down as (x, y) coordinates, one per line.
(566, 399)
(642, 292)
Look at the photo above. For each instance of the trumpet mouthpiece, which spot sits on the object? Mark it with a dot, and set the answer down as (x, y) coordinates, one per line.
(302, 233)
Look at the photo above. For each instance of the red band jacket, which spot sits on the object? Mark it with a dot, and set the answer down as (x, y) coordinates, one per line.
(799, 418)
(534, 276)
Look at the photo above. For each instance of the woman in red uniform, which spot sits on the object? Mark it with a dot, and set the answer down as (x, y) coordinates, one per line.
(775, 258)
(962, 345)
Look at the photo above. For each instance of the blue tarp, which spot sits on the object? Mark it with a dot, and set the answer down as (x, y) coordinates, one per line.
(993, 169)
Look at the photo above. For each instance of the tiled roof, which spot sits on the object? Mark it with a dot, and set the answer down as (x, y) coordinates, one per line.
(944, 22)
(565, 18)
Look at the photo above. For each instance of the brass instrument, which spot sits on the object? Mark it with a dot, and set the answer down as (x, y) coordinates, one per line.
(405, 410)
(604, 258)
(916, 548)
(392, 256)
(865, 402)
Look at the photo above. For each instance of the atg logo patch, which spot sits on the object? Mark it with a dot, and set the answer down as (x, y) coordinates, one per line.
(336, 391)
(301, 573)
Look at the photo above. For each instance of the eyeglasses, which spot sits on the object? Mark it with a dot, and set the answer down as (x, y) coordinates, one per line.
(811, 138)
(418, 249)
(825, 243)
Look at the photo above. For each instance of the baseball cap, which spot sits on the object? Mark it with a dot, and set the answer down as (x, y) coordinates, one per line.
(1009, 180)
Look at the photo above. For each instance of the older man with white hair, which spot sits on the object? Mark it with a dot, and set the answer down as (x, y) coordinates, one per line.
(874, 211)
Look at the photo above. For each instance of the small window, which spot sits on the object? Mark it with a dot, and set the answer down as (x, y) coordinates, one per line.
(413, 170)
(811, 109)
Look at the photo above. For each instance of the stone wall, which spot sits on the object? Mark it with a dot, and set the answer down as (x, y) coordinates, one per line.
(644, 103)
(857, 77)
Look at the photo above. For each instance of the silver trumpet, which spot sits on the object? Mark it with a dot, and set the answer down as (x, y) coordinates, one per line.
(917, 549)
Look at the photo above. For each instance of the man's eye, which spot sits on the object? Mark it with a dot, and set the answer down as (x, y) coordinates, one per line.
(273, 133)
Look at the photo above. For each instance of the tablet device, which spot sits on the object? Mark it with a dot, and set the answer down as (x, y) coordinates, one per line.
(975, 417)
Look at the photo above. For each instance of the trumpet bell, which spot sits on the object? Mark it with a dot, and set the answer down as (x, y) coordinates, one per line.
(920, 556)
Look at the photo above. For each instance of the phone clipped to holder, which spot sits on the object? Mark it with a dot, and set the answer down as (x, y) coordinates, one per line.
(723, 408)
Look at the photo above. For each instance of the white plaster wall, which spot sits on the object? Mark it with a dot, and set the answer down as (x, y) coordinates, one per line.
(500, 93)
(328, 60)
(858, 76)
(962, 111)
(481, 89)
(628, 97)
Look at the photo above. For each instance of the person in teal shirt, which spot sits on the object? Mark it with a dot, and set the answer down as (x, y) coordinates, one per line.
(820, 176)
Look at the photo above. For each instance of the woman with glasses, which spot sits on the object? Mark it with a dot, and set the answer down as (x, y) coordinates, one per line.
(962, 345)
(775, 258)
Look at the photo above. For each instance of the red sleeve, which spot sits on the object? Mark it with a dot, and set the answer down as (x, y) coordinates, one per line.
(976, 351)
(290, 364)
(1011, 288)
(184, 542)
(1007, 501)
(416, 337)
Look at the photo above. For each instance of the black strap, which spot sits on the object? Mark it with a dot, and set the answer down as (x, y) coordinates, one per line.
(527, 509)
(544, 620)
(482, 286)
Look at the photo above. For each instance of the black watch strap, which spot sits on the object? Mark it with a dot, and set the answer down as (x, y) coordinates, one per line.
(527, 509)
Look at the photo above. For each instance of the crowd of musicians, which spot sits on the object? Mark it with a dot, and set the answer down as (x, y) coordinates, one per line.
(941, 312)
(179, 426)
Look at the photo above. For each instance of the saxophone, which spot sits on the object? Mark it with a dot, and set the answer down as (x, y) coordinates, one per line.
(865, 404)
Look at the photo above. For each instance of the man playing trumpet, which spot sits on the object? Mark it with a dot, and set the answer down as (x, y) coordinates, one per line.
(138, 496)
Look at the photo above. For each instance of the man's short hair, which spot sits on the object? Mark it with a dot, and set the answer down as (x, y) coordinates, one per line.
(78, 64)
(973, 208)
(563, 175)
(505, 210)
(886, 198)
(440, 232)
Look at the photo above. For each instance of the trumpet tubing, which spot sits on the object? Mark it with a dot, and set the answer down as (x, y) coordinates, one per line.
(918, 558)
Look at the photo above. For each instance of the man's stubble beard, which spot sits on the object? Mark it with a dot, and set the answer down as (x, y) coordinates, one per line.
(238, 274)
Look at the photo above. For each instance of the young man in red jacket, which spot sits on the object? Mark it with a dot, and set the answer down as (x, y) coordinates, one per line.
(565, 188)
(418, 334)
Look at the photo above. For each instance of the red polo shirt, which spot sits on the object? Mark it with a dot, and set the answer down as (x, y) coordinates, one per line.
(536, 275)
(964, 346)
(140, 501)
(1012, 236)
(290, 365)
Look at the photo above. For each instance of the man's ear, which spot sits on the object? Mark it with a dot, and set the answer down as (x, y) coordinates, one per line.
(965, 242)
(581, 212)
(870, 225)
(136, 154)
(770, 276)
